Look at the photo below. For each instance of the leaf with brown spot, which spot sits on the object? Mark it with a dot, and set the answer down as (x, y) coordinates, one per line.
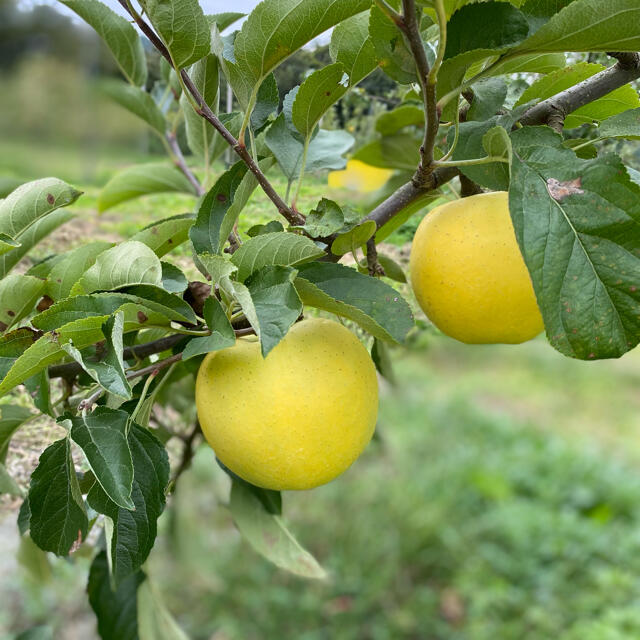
(578, 226)
(560, 190)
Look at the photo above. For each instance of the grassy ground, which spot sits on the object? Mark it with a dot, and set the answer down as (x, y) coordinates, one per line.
(500, 501)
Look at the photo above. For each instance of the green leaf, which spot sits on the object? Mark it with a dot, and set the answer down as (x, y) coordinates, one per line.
(494, 175)
(502, 26)
(588, 25)
(145, 297)
(58, 517)
(624, 125)
(267, 102)
(8, 484)
(261, 229)
(7, 243)
(397, 151)
(374, 305)
(488, 97)
(325, 150)
(214, 266)
(102, 436)
(382, 360)
(24, 515)
(18, 295)
(497, 144)
(12, 345)
(276, 29)
(205, 233)
(183, 28)
(391, 268)
(116, 610)
(616, 102)
(11, 418)
(224, 19)
(222, 333)
(108, 372)
(127, 263)
(70, 266)
(31, 202)
(200, 133)
(241, 196)
(138, 102)
(280, 248)
(39, 388)
(31, 237)
(48, 349)
(119, 35)
(325, 219)
(165, 235)
(352, 46)
(393, 54)
(531, 63)
(316, 95)
(134, 532)
(405, 115)
(354, 238)
(578, 226)
(155, 622)
(276, 302)
(268, 534)
(141, 180)
(173, 279)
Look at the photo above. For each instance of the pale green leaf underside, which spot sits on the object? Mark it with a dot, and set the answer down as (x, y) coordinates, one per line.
(119, 35)
(31, 202)
(269, 536)
(279, 248)
(142, 180)
(18, 295)
(183, 28)
(275, 29)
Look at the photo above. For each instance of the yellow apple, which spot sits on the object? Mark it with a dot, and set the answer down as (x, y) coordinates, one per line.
(469, 276)
(295, 419)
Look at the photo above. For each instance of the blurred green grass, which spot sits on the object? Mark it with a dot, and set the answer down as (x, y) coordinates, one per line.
(500, 501)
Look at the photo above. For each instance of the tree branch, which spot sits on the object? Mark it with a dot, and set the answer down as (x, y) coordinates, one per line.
(558, 107)
(152, 369)
(179, 161)
(293, 217)
(428, 85)
(407, 194)
(139, 352)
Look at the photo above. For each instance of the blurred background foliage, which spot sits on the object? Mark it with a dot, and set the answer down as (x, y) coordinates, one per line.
(500, 500)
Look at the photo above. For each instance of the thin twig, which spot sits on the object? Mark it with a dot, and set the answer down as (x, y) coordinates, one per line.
(428, 86)
(179, 161)
(293, 217)
(187, 453)
(139, 352)
(152, 369)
